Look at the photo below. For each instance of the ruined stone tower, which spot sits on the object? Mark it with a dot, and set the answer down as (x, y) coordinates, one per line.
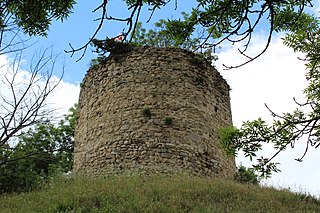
(153, 110)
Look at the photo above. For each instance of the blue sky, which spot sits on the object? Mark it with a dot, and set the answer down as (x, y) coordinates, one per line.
(262, 81)
(81, 25)
(77, 29)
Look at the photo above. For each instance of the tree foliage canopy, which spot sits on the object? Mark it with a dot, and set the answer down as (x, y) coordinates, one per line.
(301, 125)
(216, 21)
(34, 16)
(39, 153)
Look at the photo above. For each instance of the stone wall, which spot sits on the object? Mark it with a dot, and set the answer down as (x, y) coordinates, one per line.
(153, 110)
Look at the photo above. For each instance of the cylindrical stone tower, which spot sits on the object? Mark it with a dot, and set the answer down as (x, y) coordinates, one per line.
(153, 110)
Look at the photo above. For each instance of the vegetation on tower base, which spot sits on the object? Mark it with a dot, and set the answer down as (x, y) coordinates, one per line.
(246, 175)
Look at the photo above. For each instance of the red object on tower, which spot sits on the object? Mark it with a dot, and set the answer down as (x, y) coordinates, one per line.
(119, 38)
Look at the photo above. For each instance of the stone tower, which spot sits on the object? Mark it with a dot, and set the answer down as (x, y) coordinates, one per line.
(153, 110)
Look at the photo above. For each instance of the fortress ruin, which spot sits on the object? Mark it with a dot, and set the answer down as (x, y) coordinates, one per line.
(153, 111)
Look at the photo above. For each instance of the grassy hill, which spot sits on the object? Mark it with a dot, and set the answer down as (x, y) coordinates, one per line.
(156, 194)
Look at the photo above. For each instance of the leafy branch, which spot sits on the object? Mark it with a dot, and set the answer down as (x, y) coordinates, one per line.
(218, 21)
(303, 124)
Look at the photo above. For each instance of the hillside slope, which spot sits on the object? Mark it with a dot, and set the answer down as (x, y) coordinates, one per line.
(156, 194)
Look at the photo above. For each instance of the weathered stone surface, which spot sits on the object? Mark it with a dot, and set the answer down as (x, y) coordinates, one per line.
(114, 135)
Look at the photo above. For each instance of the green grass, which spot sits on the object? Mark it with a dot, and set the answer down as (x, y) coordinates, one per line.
(156, 194)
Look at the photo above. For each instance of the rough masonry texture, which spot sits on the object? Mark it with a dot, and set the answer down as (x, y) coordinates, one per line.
(150, 111)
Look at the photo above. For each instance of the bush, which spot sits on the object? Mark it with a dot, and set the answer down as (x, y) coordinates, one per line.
(109, 45)
(40, 154)
(95, 62)
(246, 175)
(168, 121)
(146, 112)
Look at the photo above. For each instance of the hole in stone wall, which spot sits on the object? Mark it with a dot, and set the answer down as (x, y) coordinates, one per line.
(215, 108)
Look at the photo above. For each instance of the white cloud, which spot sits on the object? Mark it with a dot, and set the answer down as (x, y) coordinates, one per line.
(64, 97)
(274, 78)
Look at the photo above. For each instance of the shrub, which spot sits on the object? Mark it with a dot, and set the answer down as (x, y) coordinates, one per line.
(146, 111)
(168, 121)
(109, 45)
(228, 138)
(246, 175)
(95, 62)
(200, 80)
